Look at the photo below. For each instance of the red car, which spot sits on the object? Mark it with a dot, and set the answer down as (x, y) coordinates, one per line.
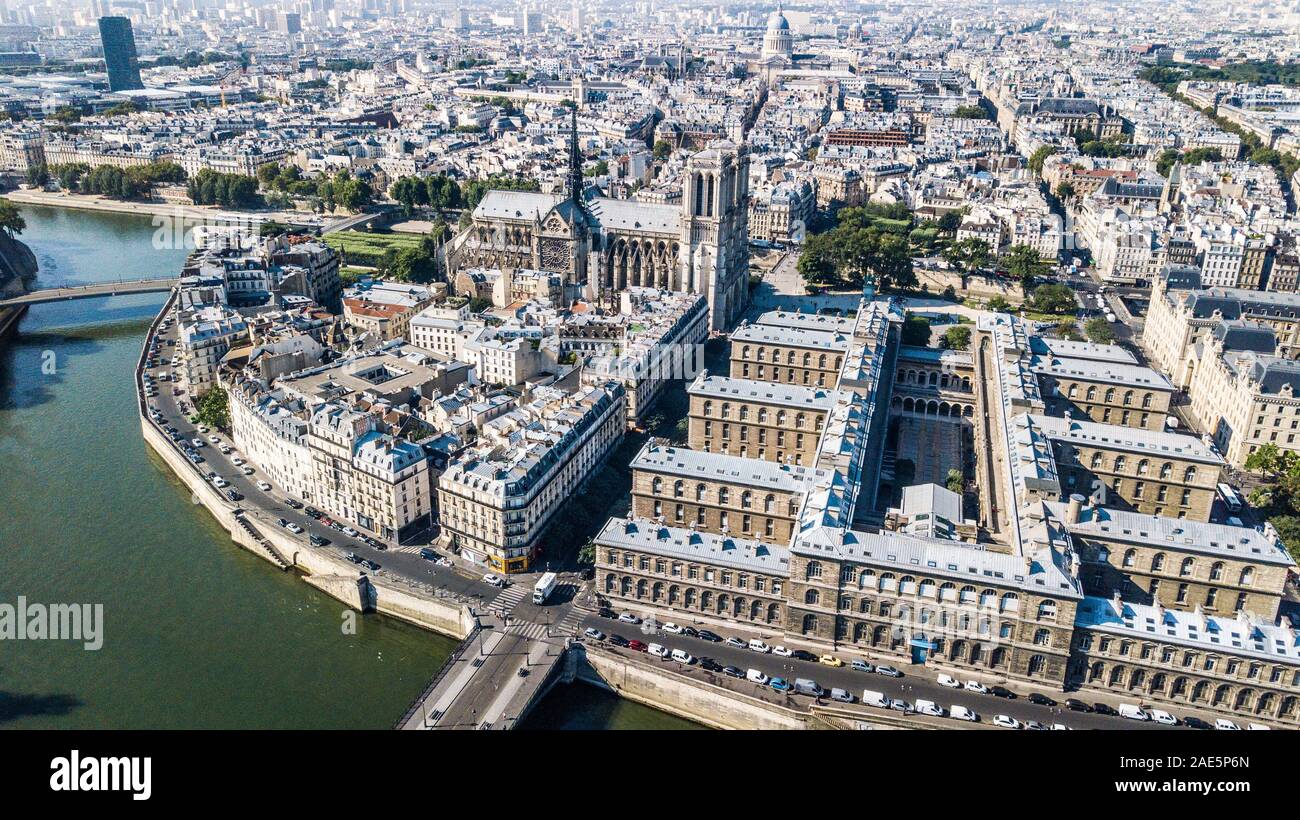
(637, 645)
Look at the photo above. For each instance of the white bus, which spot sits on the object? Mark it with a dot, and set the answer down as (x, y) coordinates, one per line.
(1230, 498)
(544, 587)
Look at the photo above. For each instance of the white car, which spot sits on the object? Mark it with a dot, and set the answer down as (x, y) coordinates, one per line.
(626, 617)
(203, 428)
(782, 652)
(682, 656)
(493, 579)
(657, 650)
(351, 533)
(1161, 716)
(1006, 722)
(976, 686)
(263, 486)
(962, 713)
(214, 440)
(246, 470)
(225, 451)
(756, 676)
(237, 461)
(293, 528)
(1226, 725)
(671, 628)
(594, 633)
(949, 681)
(758, 646)
(198, 442)
(220, 482)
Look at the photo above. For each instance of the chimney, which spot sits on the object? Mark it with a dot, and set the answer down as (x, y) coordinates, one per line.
(1074, 509)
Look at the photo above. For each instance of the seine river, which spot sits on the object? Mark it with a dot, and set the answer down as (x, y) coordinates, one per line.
(197, 632)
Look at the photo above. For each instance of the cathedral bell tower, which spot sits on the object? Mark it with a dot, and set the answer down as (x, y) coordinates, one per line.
(715, 230)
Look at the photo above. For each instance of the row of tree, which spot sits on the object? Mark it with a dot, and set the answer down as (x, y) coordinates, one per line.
(209, 187)
(134, 182)
(871, 240)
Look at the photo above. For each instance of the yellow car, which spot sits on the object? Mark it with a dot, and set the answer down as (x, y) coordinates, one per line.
(831, 660)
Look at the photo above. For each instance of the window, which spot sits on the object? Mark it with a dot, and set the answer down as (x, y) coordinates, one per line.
(813, 571)
(1247, 576)
(811, 597)
(1158, 562)
(1187, 567)
(1047, 611)
(1130, 558)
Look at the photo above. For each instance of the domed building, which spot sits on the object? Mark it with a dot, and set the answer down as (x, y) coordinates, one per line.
(777, 41)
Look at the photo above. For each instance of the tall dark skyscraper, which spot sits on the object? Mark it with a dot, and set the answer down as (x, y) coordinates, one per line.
(119, 53)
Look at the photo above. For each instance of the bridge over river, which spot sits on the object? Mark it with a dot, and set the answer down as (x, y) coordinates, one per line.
(120, 288)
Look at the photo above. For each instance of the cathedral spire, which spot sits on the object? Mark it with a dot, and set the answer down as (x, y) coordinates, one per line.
(575, 162)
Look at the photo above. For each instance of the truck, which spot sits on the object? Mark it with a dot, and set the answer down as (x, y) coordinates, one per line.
(544, 587)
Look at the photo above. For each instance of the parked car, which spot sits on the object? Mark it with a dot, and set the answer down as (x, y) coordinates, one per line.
(706, 635)
(733, 671)
(758, 646)
(263, 486)
(1131, 712)
(428, 554)
(900, 705)
(689, 632)
(1075, 705)
(889, 671)
(780, 684)
(862, 666)
(1196, 723)
(1006, 722)
(803, 655)
(495, 580)
(842, 695)
(317, 541)
(1162, 717)
(830, 660)
(756, 676)
(1223, 724)
(637, 645)
(682, 656)
(710, 665)
(1104, 709)
(1040, 699)
(594, 633)
(658, 650)
(736, 642)
(671, 628)
(781, 651)
(628, 618)
(1003, 692)
(618, 640)
(949, 681)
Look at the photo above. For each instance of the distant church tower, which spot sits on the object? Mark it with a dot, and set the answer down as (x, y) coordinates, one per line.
(715, 230)
(777, 41)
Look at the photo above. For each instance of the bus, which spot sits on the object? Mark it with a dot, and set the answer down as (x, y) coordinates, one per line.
(1231, 499)
(544, 587)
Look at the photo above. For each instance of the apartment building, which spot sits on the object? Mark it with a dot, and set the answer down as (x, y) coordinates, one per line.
(785, 355)
(1105, 392)
(496, 499)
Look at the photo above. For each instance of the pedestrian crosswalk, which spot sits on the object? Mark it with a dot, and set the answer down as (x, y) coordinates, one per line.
(507, 599)
(529, 630)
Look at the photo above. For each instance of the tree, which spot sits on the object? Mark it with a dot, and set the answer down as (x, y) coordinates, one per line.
(416, 264)
(817, 262)
(662, 149)
(998, 304)
(1065, 191)
(1068, 330)
(970, 112)
(214, 409)
(587, 554)
(956, 337)
(955, 481)
(1053, 298)
(38, 175)
(916, 331)
(967, 256)
(1097, 329)
(11, 219)
(1023, 262)
(1039, 156)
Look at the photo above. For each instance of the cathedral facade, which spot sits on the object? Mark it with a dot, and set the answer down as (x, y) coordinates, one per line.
(603, 246)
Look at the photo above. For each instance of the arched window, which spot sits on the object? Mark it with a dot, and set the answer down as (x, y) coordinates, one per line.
(1247, 576)
(1189, 475)
(1096, 461)
(811, 597)
(1158, 562)
(1120, 462)
(1187, 567)
(657, 486)
(809, 624)
(1216, 571)
(1130, 558)
(699, 492)
(769, 503)
(708, 408)
(1166, 470)
(1042, 637)
(813, 571)
(1047, 611)
(746, 499)
(1091, 395)
(744, 352)
(678, 488)
(1143, 466)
